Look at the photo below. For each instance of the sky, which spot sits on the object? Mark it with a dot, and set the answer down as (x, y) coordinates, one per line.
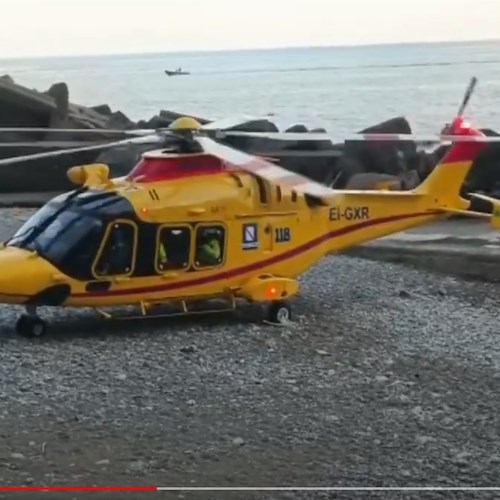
(79, 27)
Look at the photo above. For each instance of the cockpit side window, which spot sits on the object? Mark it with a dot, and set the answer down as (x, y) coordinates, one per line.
(117, 254)
(173, 249)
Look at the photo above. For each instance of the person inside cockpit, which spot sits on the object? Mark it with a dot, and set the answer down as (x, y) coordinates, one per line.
(209, 250)
(117, 256)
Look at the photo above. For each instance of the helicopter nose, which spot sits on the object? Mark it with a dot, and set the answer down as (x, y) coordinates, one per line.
(24, 276)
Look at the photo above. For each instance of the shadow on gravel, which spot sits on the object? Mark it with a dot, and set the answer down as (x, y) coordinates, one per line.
(64, 325)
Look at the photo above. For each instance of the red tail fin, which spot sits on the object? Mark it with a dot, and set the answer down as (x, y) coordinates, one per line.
(463, 151)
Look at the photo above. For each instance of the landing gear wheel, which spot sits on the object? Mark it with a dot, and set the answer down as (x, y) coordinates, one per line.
(279, 313)
(31, 326)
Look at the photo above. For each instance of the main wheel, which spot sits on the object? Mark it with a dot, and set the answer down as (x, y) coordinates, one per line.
(280, 313)
(31, 326)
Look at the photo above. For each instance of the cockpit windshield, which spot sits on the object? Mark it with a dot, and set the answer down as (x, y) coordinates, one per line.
(55, 239)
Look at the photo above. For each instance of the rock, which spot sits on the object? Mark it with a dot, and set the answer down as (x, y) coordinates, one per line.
(331, 419)
(158, 122)
(296, 129)
(238, 441)
(423, 440)
(188, 350)
(404, 294)
(120, 121)
(354, 165)
(7, 79)
(102, 109)
(103, 462)
(17, 456)
(60, 93)
(345, 168)
(462, 459)
(322, 352)
(137, 466)
(384, 157)
(170, 116)
(122, 159)
(370, 180)
(256, 126)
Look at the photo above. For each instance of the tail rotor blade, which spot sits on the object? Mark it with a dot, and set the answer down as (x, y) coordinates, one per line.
(467, 96)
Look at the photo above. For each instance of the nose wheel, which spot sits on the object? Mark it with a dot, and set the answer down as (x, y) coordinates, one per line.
(30, 325)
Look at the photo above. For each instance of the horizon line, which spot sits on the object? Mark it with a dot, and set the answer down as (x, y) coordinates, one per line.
(249, 49)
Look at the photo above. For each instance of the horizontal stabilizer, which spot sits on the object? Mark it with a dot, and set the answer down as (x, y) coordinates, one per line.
(495, 215)
(465, 213)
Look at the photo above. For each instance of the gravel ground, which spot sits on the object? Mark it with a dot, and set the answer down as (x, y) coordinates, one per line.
(388, 377)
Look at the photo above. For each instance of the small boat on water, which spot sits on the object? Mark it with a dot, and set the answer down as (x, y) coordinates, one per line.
(178, 71)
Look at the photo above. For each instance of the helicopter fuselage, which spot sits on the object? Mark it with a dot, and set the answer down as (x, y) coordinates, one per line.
(140, 239)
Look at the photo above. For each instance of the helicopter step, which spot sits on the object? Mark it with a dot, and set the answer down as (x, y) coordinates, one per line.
(277, 311)
(157, 309)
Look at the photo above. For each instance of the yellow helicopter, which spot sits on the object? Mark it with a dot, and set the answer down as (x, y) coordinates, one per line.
(202, 221)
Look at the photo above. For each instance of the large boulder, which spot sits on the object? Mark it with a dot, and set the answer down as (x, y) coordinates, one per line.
(120, 121)
(393, 158)
(102, 109)
(385, 157)
(370, 181)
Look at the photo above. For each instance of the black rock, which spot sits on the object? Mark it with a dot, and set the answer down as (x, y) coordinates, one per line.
(297, 129)
(102, 109)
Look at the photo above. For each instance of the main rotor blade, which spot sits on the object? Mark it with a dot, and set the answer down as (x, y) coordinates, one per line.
(230, 122)
(75, 130)
(322, 136)
(265, 170)
(153, 139)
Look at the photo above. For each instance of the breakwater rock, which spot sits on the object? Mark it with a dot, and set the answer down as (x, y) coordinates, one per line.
(347, 165)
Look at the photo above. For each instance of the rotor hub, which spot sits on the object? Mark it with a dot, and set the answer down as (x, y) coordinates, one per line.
(185, 123)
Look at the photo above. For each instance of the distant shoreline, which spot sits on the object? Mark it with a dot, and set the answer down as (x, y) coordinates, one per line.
(247, 50)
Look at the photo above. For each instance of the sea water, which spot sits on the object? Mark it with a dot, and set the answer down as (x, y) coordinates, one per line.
(342, 89)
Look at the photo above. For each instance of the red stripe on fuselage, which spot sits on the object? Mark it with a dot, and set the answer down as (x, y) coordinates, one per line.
(260, 264)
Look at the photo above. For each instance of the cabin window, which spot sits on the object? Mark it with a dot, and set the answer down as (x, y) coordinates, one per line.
(210, 243)
(174, 244)
(262, 189)
(278, 193)
(117, 253)
(294, 196)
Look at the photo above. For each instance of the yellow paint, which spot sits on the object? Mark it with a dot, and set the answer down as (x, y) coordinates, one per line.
(185, 123)
(96, 174)
(293, 235)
